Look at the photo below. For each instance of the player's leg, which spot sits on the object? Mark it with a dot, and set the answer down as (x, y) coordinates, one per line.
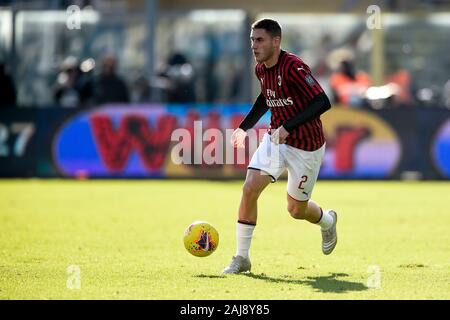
(307, 210)
(310, 211)
(303, 170)
(265, 167)
(255, 183)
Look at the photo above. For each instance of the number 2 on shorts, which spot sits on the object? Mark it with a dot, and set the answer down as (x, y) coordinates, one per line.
(304, 179)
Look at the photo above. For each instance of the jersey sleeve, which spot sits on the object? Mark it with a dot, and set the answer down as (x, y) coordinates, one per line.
(256, 112)
(303, 81)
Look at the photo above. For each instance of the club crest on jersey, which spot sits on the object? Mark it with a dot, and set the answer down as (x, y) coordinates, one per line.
(279, 80)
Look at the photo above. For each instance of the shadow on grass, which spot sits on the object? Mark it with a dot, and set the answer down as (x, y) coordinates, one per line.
(209, 276)
(329, 283)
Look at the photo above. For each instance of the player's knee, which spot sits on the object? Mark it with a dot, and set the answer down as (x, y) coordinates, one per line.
(296, 211)
(250, 190)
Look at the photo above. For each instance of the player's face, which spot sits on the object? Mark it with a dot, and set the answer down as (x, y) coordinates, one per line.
(263, 44)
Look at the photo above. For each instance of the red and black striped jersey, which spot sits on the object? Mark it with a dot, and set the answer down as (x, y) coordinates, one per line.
(288, 87)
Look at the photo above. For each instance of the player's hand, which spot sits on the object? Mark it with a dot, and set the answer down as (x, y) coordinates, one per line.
(279, 136)
(238, 138)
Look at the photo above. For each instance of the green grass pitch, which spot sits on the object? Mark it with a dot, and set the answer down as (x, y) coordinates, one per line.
(126, 239)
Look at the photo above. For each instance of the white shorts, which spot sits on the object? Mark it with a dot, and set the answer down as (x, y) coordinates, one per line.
(303, 166)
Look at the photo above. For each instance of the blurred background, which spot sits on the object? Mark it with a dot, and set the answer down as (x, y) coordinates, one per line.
(96, 88)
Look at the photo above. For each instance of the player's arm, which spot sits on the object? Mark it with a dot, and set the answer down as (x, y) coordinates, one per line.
(318, 105)
(300, 78)
(256, 112)
(258, 109)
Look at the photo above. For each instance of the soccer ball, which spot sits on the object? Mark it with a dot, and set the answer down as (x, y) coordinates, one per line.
(201, 239)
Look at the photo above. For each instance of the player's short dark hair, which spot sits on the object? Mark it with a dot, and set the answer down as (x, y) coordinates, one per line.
(271, 26)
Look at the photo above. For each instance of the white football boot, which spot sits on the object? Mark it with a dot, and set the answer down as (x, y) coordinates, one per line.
(329, 236)
(238, 264)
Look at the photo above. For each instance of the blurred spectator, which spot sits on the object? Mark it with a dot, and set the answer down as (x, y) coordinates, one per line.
(73, 87)
(86, 82)
(349, 86)
(65, 92)
(180, 75)
(109, 87)
(7, 89)
(401, 81)
(140, 90)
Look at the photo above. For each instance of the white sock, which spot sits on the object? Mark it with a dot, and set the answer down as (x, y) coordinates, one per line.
(244, 233)
(326, 221)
